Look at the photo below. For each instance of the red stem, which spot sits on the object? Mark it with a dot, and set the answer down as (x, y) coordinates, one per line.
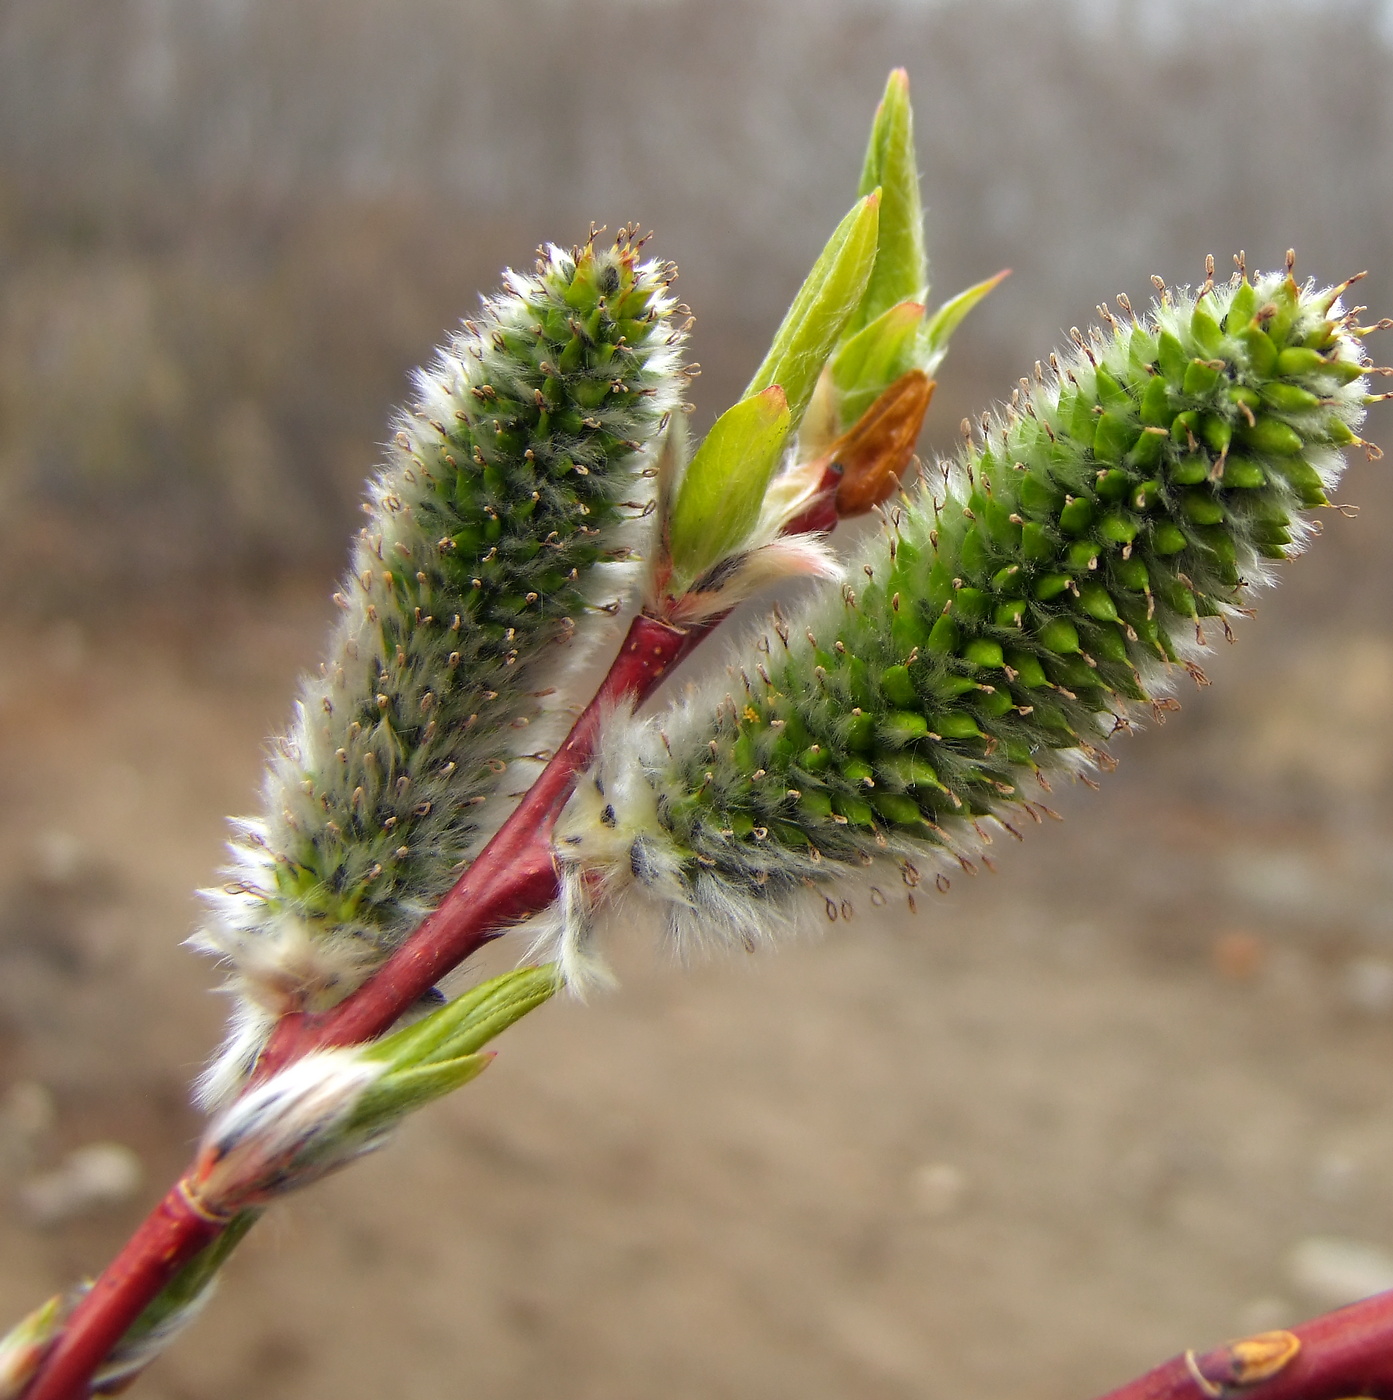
(167, 1239)
(1343, 1353)
(512, 878)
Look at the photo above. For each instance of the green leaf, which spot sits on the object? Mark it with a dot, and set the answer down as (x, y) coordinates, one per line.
(724, 484)
(897, 341)
(939, 328)
(440, 1051)
(901, 270)
(874, 358)
(400, 1092)
(23, 1347)
(466, 1024)
(832, 291)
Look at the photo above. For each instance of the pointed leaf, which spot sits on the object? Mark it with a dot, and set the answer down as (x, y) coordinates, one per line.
(24, 1345)
(939, 328)
(523, 991)
(874, 358)
(830, 294)
(725, 483)
(467, 1023)
(403, 1091)
(901, 271)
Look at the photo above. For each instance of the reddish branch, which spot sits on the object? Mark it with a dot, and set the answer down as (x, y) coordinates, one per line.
(1342, 1354)
(169, 1237)
(512, 878)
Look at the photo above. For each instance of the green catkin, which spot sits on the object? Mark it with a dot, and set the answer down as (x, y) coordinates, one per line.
(504, 518)
(1015, 611)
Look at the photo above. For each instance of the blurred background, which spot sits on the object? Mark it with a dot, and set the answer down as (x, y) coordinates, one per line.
(1127, 1097)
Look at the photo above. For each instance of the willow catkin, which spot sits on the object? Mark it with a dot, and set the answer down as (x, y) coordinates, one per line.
(1015, 611)
(504, 516)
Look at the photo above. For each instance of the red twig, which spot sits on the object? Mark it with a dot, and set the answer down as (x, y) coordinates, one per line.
(512, 877)
(167, 1239)
(1343, 1353)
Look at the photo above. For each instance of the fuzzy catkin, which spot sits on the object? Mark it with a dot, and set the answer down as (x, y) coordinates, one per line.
(1014, 612)
(505, 513)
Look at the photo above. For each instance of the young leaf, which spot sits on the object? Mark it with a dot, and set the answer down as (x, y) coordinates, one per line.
(901, 270)
(819, 313)
(23, 1347)
(874, 358)
(403, 1091)
(939, 328)
(466, 1024)
(725, 483)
